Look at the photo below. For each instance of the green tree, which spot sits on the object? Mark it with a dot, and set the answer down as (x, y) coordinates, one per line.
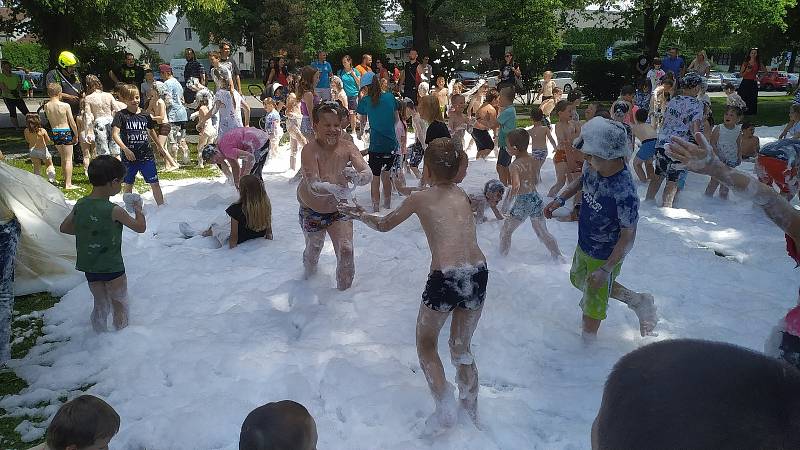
(329, 25)
(30, 55)
(63, 24)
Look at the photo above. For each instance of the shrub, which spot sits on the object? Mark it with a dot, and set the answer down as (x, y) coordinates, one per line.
(601, 79)
(30, 55)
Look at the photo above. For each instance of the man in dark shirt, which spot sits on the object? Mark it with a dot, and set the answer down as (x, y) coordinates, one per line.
(128, 73)
(408, 77)
(193, 69)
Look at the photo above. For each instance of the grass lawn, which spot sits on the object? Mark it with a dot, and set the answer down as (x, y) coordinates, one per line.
(25, 330)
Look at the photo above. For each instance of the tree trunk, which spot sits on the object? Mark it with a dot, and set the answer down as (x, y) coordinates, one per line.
(653, 29)
(420, 27)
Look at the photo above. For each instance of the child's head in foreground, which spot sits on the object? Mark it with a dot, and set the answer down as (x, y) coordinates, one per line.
(493, 190)
(507, 96)
(442, 160)
(794, 112)
(732, 115)
(130, 95)
(626, 93)
(83, 423)
(748, 130)
(562, 111)
(536, 115)
(457, 102)
(518, 140)
(283, 425)
(105, 170)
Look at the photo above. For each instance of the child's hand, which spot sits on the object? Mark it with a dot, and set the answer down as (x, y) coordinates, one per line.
(129, 154)
(697, 158)
(551, 207)
(353, 211)
(598, 279)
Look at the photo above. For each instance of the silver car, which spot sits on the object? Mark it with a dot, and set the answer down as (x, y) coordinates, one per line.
(714, 81)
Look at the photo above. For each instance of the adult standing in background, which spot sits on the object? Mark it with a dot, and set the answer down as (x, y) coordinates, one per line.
(325, 71)
(226, 62)
(673, 63)
(128, 73)
(193, 69)
(381, 110)
(425, 72)
(509, 72)
(176, 114)
(409, 76)
(351, 81)
(700, 64)
(748, 89)
(643, 65)
(366, 64)
(11, 87)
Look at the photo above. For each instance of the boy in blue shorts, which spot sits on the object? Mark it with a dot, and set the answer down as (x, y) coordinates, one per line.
(606, 226)
(97, 224)
(646, 135)
(132, 131)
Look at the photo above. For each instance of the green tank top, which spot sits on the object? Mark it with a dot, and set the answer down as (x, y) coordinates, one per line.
(11, 85)
(98, 238)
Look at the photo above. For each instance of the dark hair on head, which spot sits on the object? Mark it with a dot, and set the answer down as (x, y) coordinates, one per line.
(536, 114)
(324, 108)
(507, 93)
(104, 169)
(519, 139)
(84, 419)
(443, 159)
(557, 90)
(627, 90)
(729, 86)
(491, 95)
(374, 90)
(735, 109)
(283, 425)
(657, 60)
(747, 124)
(603, 112)
(645, 85)
(493, 186)
(562, 105)
(641, 115)
(129, 54)
(669, 81)
(575, 94)
(33, 122)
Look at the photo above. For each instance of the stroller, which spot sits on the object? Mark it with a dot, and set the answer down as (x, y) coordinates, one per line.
(278, 93)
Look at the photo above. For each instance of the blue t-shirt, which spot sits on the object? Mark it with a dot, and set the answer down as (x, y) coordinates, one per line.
(609, 205)
(325, 71)
(350, 82)
(176, 112)
(508, 121)
(673, 65)
(382, 138)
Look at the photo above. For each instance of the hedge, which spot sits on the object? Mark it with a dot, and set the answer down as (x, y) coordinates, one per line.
(602, 79)
(30, 55)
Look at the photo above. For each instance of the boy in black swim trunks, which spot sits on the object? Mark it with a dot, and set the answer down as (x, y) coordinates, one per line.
(456, 283)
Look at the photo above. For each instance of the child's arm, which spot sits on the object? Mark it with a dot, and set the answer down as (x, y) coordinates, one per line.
(551, 138)
(246, 113)
(559, 201)
(601, 276)
(233, 240)
(514, 188)
(497, 214)
(382, 223)
(137, 223)
(68, 225)
(46, 136)
(128, 153)
(71, 121)
(786, 129)
(739, 148)
(715, 140)
(154, 138)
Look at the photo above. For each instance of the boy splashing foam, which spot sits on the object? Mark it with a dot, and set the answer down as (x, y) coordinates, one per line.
(456, 283)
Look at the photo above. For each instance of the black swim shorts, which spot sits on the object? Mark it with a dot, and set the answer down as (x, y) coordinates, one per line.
(464, 287)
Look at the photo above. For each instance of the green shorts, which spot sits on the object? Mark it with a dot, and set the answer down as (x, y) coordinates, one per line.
(594, 301)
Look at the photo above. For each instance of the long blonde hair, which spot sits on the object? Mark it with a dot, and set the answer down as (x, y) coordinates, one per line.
(256, 206)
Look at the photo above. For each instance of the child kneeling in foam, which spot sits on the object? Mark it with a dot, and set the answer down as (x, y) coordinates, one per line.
(249, 218)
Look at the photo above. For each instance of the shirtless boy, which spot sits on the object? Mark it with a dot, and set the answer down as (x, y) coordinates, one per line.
(540, 135)
(456, 283)
(486, 119)
(64, 130)
(527, 202)
(457, 122)
(646, 135)
(98, 113)
(568, 160)
(323, 163)
(750, 144)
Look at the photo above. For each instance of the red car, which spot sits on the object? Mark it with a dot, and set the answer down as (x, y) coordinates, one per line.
(774, 81)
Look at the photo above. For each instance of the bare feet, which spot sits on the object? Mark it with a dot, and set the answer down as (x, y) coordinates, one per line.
(71, 187)
(644, 307)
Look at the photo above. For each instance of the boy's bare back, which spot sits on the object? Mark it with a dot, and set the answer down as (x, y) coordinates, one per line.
(445, 213)
(526, 168)
(57, 113)
(643, 131)
(566, 132)
(538, 136)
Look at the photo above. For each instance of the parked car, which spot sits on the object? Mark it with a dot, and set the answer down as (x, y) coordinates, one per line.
(563, 79)
(733, 78)
(773, 81)
(37, 77)
(492, 77)
(793, 78)
(466, 78)
(714, 81)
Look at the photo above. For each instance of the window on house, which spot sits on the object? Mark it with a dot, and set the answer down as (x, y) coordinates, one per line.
(241, 58)
(188, 33)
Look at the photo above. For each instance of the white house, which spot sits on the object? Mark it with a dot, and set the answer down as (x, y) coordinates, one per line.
(170, 44)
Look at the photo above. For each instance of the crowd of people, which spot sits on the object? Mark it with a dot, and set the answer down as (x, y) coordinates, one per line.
(658, 130)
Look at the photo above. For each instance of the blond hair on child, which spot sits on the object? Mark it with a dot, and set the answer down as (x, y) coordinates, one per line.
(429, 109)
(53, 90)
(256, 206)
